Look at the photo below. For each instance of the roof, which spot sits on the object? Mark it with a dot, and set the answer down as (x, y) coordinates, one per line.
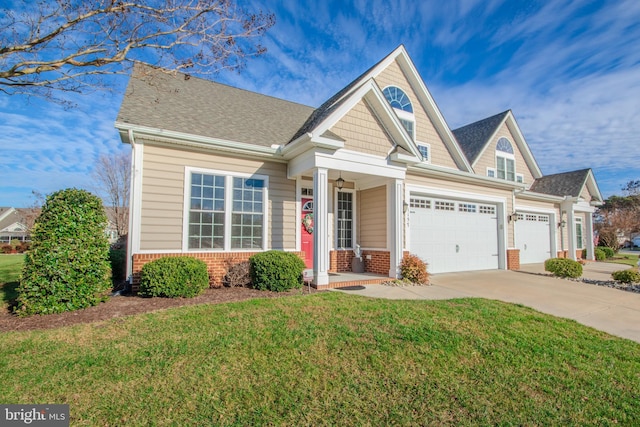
(473, 137)
(562, 184)
(181, 103)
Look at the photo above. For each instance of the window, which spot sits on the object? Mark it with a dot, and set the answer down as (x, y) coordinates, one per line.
(225, 212)
(401, 104)
(505, 160)
(424, 150)
(491, 210)
(491, 172)
(420, 203)
(445, 206)
(579, 239)
(467, 207)
(519, 178)
(345, 220)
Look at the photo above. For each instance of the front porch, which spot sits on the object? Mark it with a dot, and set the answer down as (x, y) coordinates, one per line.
(346, 279)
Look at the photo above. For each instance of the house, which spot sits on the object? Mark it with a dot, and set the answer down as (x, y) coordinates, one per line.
(14, 224)
(221, 173)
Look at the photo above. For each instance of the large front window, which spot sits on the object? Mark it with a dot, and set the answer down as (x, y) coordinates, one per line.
(345, 220)
(225, 212)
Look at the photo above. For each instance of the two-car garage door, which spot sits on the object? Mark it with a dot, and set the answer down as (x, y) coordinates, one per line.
(453, 235)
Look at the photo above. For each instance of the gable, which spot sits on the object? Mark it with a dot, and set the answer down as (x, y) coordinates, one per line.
(425, 129)
(362, 131)
(487, 158)
(585, 194)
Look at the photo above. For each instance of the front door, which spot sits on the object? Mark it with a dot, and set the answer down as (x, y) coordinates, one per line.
(306, 231)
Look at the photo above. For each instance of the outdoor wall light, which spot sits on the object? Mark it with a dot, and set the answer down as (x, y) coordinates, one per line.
(340, 182)
(562, 224)
(405, 207)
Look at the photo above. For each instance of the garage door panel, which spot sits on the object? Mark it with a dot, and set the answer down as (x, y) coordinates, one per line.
(533, 237)
(454, 235)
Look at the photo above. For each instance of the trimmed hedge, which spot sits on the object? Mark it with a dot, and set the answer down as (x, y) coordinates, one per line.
(414, 269)
(608, 252)
(67, 266)
(563, 267)
(173, 277)
(626, 276)
(276, 271)
(600, 254)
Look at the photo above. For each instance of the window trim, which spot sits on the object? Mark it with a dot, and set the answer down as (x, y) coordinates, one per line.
(494, 171)
(228, 211)
(403, 114)
(428, 147)
(354, 228)
(578, 222)
(506, 157)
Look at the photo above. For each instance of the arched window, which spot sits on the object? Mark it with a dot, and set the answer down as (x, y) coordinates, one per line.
(403, 107)
(504, 145)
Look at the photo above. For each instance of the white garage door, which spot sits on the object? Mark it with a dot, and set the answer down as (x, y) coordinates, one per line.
(533, 237)
(453, 235)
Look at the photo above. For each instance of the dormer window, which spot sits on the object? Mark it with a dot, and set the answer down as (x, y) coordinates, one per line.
(505, 160)
(401, 104)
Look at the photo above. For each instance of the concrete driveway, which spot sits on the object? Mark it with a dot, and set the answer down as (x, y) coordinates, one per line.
(611, 310)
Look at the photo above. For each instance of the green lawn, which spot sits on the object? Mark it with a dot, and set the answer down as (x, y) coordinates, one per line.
(625, 258)
(10, 267)
(329, 359)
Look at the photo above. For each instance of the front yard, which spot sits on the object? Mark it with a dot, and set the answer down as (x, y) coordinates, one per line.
(328, 359)
(625, 258)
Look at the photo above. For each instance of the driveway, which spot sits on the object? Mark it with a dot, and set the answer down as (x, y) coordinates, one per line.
(611, 310)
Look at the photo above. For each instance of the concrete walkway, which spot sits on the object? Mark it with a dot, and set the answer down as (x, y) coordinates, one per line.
(611, 310)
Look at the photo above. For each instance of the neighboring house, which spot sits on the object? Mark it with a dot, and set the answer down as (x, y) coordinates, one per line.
(13, 225)
(221, 173)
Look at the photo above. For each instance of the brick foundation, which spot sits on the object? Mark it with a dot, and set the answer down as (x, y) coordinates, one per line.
(340, 261)
(563, 254)
(217, 263)
(513, 259)
(380, 262)
(578, 253)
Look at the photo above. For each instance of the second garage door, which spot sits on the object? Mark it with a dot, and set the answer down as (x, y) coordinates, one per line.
(452, 235)
(533, 237)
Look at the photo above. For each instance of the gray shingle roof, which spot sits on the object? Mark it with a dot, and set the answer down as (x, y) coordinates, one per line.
(561, 184)
(202, 107)
(473, 137)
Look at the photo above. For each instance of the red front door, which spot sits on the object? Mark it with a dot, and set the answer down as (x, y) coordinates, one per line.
(306, 231)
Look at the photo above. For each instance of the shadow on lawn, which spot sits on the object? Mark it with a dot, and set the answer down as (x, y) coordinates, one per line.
(9, 293)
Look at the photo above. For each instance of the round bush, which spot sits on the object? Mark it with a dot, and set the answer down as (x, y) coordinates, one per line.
(563, 267)
(608, 252)
(67, 265)
(600, 254)
(276, 271)
(414, 269)
(626, 276)
(173, 277)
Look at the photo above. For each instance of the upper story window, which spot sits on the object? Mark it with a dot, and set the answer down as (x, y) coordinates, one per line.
(425, 149)
(505, 160)
(403, 108)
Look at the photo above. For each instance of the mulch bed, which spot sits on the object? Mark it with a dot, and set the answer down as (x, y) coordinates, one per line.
(119, 306)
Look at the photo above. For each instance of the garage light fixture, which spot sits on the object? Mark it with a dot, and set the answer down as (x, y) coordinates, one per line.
(513, 217)
(405, 207)
(340, 182)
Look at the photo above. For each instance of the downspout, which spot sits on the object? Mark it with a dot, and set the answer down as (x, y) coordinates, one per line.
(132, 186)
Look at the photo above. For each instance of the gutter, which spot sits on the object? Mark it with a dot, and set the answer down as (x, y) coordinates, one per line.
(426, 169)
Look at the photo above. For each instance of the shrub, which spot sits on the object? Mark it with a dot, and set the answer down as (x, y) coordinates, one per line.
(276, 271)
(7, 249)
(118, 261)
(600, 254)
(173, 277)
(563, 267)
(608, 252)
(626, 276)
(24, 247)
(414, 269)
(67, 267)
(238, 274)
(15, 243)
(608, 238)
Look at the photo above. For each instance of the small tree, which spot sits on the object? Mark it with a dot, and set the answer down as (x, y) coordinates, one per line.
(67, 267)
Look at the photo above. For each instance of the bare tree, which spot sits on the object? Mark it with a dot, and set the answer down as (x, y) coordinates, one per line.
(71, 45)
(112, 175)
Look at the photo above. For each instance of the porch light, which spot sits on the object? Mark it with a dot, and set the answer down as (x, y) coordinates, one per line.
(340, 182)
(562, 224)
(405, 207)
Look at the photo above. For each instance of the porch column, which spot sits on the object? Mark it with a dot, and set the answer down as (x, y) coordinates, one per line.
(589, 233)
(396, 227)
(321, 227)
(571, 235)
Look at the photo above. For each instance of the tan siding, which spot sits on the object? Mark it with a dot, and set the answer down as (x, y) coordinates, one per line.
(163, 199)
(468, 188)
(585, 194)
(362, 132)
(372, 213)
(425, 130)
(488, 157)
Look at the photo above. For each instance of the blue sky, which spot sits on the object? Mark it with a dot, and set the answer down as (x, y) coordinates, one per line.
(569, 70)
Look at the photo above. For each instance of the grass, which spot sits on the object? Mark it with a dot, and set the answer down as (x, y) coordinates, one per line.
(329, 359)
(10, 267)
(625, 258)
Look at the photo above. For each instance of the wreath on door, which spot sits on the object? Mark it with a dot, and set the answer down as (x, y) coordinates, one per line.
(307, 222)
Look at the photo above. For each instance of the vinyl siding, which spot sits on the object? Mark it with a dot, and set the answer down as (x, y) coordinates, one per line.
(488, 157)
(362, 132)
(425, 130)
(163, 198)
(585, 194)
(372, 224)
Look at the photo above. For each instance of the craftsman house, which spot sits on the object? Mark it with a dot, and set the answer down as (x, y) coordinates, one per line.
(221, 173)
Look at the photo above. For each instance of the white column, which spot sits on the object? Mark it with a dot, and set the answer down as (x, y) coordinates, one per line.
(320, 227)
(135, 201)
(571, 235)
(396, 221)
(589, 230)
